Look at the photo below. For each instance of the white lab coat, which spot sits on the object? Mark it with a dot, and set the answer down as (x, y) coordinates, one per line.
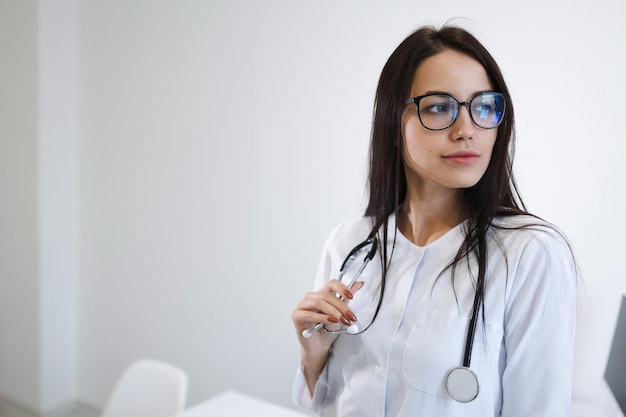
(522, 353)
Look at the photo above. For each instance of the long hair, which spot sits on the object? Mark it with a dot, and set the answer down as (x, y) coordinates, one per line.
(495, 194)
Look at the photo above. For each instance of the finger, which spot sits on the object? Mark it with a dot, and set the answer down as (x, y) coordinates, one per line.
(324, 307)
(339, 288)
(303, 318)
(339, 309)
(326, 304)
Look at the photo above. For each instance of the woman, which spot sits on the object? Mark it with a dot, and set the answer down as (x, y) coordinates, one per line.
(462, 274)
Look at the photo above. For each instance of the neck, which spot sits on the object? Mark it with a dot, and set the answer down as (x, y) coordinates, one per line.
(424, 219)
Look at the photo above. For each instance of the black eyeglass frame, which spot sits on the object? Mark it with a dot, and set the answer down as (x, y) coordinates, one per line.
(416, 100)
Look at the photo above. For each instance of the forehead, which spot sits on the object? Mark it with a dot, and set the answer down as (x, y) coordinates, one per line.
(450, 72)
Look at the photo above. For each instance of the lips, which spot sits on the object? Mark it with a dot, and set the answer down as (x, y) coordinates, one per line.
(462, 157)
(463, 154)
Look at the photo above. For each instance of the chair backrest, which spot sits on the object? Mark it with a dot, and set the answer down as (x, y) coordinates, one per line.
(148, 388)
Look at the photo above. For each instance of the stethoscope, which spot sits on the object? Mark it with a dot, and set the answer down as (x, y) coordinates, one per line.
(462, 383)
(354, 328)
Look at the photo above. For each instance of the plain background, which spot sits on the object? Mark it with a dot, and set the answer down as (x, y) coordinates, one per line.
(169, 171)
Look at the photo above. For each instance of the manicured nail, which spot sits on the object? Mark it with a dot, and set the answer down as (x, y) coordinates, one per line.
(350, 315)
(333, 319)
(348, 294)
(345, 321)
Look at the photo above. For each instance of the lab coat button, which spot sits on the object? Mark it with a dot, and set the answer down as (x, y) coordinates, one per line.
(378, 370)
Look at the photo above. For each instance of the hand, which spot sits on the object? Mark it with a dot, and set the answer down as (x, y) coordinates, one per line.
(327, 306)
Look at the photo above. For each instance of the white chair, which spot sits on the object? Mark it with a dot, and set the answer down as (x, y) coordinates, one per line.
(148, 388)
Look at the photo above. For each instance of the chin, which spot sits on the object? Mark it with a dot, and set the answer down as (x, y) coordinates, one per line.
(464, 183)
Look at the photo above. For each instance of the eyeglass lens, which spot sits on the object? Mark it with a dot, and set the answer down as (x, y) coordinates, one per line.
(439, 111)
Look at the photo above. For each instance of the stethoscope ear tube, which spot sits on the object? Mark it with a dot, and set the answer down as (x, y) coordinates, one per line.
(371, 240)
(354, 329)
(306, 333)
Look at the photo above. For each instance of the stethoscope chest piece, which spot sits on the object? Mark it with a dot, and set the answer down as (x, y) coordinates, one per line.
(462, 384)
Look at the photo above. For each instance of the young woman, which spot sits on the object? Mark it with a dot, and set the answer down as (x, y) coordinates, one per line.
(467, 307)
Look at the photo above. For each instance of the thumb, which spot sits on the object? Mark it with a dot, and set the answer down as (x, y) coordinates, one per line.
(357, 286)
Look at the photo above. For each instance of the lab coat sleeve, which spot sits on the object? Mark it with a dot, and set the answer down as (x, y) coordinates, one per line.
(300, 391)
(301, 396)
(539, 327)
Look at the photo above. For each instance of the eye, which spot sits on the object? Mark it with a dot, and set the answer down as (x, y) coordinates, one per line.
(486, 105)
(437, 108)
(484, 108)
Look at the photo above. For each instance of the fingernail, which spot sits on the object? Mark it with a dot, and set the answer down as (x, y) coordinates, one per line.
(350, 315)
(332, 319)
(348, 294)
(345, 321)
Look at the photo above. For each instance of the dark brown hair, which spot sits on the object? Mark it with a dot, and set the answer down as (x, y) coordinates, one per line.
(495, 194)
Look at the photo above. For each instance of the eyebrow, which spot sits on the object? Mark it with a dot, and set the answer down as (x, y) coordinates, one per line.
(474, 94)
(436, 92)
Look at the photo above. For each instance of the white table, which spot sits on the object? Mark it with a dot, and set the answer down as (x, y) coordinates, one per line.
(235, 404)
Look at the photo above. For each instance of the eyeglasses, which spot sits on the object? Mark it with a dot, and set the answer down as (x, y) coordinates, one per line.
(439, 111)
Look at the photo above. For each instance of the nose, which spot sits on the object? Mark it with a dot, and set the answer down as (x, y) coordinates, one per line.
(463, 127)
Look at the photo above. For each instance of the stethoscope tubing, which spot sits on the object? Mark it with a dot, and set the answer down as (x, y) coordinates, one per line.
(306, 333)
(471, 331)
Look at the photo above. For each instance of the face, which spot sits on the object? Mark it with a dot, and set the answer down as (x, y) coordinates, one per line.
(455, 157)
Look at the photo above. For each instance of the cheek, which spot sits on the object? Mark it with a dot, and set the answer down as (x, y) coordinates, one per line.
(488, 150)
(491, 144)
(416, 150)
(414, 138)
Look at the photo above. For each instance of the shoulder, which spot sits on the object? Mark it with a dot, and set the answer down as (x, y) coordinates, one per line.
(535, 249)
(542, 275)
(529, 232)
(532, 248)
(338, 244)
(348, 234)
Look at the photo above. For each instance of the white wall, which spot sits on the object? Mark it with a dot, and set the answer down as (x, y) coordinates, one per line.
(38, 217)
(58, 199)
(221, 141)
(19, 291)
